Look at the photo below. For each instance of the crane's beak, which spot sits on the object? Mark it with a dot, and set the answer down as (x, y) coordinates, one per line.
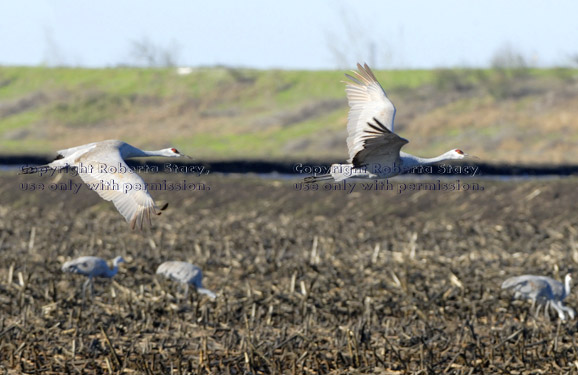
(468, 156)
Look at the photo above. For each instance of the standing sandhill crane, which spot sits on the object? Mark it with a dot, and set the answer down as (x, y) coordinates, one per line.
(374, 148)
(542, 290)
(101, 165)
(91, 267)
(185, 273)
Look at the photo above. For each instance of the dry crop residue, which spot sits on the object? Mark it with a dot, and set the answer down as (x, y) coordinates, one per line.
(307, 282)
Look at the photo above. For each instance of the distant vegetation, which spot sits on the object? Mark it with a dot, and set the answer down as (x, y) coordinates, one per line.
(505, 114)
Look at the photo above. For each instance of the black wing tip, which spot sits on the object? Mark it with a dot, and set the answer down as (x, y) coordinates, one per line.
(161, 208)
(353, 79)
(378, 128)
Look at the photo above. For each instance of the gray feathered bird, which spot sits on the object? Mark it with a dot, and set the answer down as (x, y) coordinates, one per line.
(374, 148)
(186, 274)
(543, 290)
(91, 267)
(102, 165)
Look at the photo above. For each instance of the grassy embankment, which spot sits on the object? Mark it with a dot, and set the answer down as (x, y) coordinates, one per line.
(523, 115)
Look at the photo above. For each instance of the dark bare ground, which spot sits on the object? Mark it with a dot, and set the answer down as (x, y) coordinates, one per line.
(308, 282)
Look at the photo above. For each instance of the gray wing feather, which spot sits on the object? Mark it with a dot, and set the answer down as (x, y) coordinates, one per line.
(88, 266)
(370, 121)
(130, 197)
(182, 272)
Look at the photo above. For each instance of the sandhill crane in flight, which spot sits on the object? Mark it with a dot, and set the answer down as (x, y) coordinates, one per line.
(374, 148)
(102, 166)
(542, 290)
(91, 267)
(185, 273)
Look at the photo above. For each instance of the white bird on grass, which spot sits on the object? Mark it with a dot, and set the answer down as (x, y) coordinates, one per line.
(543, 290)
(374, 148)
(91, 267)
(101, 165)
(185, 273)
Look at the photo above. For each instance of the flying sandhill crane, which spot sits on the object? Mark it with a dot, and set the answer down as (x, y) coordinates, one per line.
(101, 165)
(91, 267)
(542, 290)
(185, 273)
(374, 148)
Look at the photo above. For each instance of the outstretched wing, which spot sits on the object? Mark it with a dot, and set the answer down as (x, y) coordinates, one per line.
(379, 146)
(368, 101)
(105, 172)
(519, 283)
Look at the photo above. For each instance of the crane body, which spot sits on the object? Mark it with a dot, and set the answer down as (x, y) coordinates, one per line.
(186, 274)
(543, 290)
(91, 267)
(102, 166)
(374, 148)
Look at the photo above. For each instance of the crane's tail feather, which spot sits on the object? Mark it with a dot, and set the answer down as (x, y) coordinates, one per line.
(510, 283)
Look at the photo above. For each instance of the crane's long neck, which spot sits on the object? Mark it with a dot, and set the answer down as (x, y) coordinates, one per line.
(129, 151)
(136, 153)
(155, 153)
(112, 272)
(409, 161)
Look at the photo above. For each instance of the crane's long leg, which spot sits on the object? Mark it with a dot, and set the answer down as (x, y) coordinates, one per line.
(186, 292)
(557, 306)
(569, 310)
(565, 309)
(537, 313)
(84, 286)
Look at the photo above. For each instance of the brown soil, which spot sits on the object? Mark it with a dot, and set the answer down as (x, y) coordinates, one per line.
(307, 282)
